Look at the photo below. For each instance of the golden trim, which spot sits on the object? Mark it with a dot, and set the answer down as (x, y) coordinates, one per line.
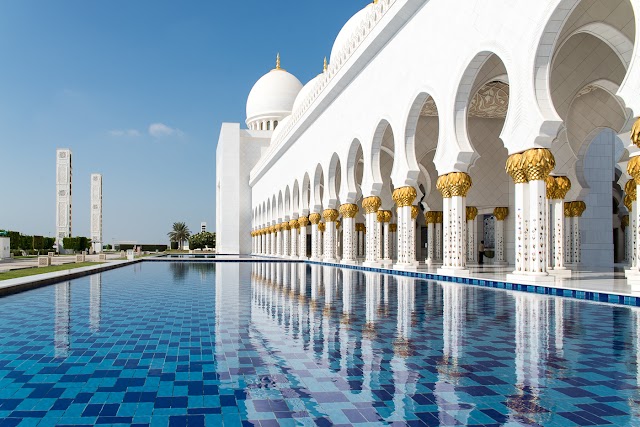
(414, 212)
(501, 213)
(635, 133)
(472, 213)
(514, 167)
(578, 208)
(404, 196)
(322, 227)
(303, 221)
(349, 210)
(315, 218)
(371, 204)
(393, 228)
(563, 185)
(330, 215)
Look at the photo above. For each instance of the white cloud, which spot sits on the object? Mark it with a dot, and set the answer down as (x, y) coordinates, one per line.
(120, 133)
(160, 130)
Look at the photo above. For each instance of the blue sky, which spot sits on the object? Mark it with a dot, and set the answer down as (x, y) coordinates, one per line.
(138, 90)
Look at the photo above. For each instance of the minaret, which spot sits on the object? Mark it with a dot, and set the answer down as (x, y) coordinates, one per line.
(63, 195)
(96, 212)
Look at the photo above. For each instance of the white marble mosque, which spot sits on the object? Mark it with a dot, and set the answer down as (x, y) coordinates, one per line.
(436, 125)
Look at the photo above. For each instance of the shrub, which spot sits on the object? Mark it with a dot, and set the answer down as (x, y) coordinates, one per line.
(76, 243)
(202, 240)
(17, 253)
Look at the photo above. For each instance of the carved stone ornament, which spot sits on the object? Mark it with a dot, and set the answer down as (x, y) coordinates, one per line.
(349, 210)
(330, 215)
(404, 196)
(315, 218)
(371, 204)
(472, 213)
(501, 213)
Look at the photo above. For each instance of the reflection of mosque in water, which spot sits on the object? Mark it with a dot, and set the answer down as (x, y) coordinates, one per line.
(348, 340)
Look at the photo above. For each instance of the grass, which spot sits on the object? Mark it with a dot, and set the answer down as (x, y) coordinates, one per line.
(41, 270)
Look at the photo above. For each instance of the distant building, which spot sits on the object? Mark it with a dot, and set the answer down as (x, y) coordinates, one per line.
(203, 227)
(63, 195)
(96, 212)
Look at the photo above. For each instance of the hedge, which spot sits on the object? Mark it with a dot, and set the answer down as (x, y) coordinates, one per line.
(76, 243)
(143, 248)
(26, 243)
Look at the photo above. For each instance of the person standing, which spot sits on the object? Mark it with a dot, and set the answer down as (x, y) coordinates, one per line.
(481, 252)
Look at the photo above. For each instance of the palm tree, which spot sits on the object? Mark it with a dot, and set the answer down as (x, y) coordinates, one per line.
(180, 233)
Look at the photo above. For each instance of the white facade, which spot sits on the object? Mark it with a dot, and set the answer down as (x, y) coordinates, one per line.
(421, 110)
(5, 247)
(63, 195)
(96, 212)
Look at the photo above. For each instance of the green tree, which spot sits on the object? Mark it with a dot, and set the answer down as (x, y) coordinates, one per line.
(180, 233)
(202, 240)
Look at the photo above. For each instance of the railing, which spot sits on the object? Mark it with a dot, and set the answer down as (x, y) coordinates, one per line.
(359, 35)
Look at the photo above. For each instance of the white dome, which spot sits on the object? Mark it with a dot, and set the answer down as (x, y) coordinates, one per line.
(305, 92)
(347, 31)
(273, 95)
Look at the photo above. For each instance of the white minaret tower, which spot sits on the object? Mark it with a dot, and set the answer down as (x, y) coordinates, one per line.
(96, 212)
(63, 195)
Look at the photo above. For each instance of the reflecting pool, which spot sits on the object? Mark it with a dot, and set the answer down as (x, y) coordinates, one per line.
(179, 343)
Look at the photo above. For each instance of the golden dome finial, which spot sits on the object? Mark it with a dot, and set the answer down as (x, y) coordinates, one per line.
(324, 67)
(375, 1)
(278, 61)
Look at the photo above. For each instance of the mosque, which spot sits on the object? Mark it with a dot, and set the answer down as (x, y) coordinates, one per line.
(438, 125)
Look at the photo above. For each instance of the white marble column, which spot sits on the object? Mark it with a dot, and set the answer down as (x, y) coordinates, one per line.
(286, 235)
(349, 237)
(274, 237)
(472, 230)
(379, 237)
(454, 188)
(633, 169)
(430, 218)
(404, 198)
(303, 222)
(322, 227)
(568, 240)
(500, 214)
(294, 229)
(360, 229)
(330, 217)
(314, 218)
(577, 209)
(371, 206)
(393, 235)
(386, 238)
(627, 235)
(438, 235)
(556, 192)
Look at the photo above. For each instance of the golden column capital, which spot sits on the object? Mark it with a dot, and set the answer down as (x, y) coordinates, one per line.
(338, 224)
(404, 196)
(501, 213)
(414, 211)
(577, 208)
(633, 167)
(439, 217)
(322, 227)
(330, 215)
(567, 209)
(515, 168)
(285, 226)
(360, 227)
(349, 210)
(563, 185)
(383, 216)
(277, 228)
(303, 221)
(630, 189)
(538, 163)
(472, 213)
(393, 228)
(442, 184)
(552, 187)
(625, 221)
(459, 184)
(430, 217)
(628, 202)
(315, 218)
(635, 133)
(371, 204)
(294, 224)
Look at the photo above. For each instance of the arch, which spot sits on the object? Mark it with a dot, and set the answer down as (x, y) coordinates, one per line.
(274, 210)
(334, 178)
(280, 211)
(287, 204)
(318, 188)
(376, 150)
(270, 211)
(306, 194)
(415, 112)
(550, 42)
(350, 187)
(295, 196)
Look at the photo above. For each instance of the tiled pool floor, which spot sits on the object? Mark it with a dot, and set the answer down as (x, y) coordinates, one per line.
(294, 344)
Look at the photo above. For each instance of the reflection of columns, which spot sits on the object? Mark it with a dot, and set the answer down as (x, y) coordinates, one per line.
(404, 198)
(430, 218)
(406, 305)
(371, 206)
(286, 234)
(315, 220)
(61, 336)
(529, 171)
(294, 227)
(348, 278)
(379, 236)
(472, 230)
(500, 214)
(454, 188)
(303, 221)
(557, 189)
(95, 302)
(383, 219)
(360, 229)
(329, 248)
(559, 326)
(372, 300)
(393, 236)
(349, 212)
(577, 208)
(337, 241)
